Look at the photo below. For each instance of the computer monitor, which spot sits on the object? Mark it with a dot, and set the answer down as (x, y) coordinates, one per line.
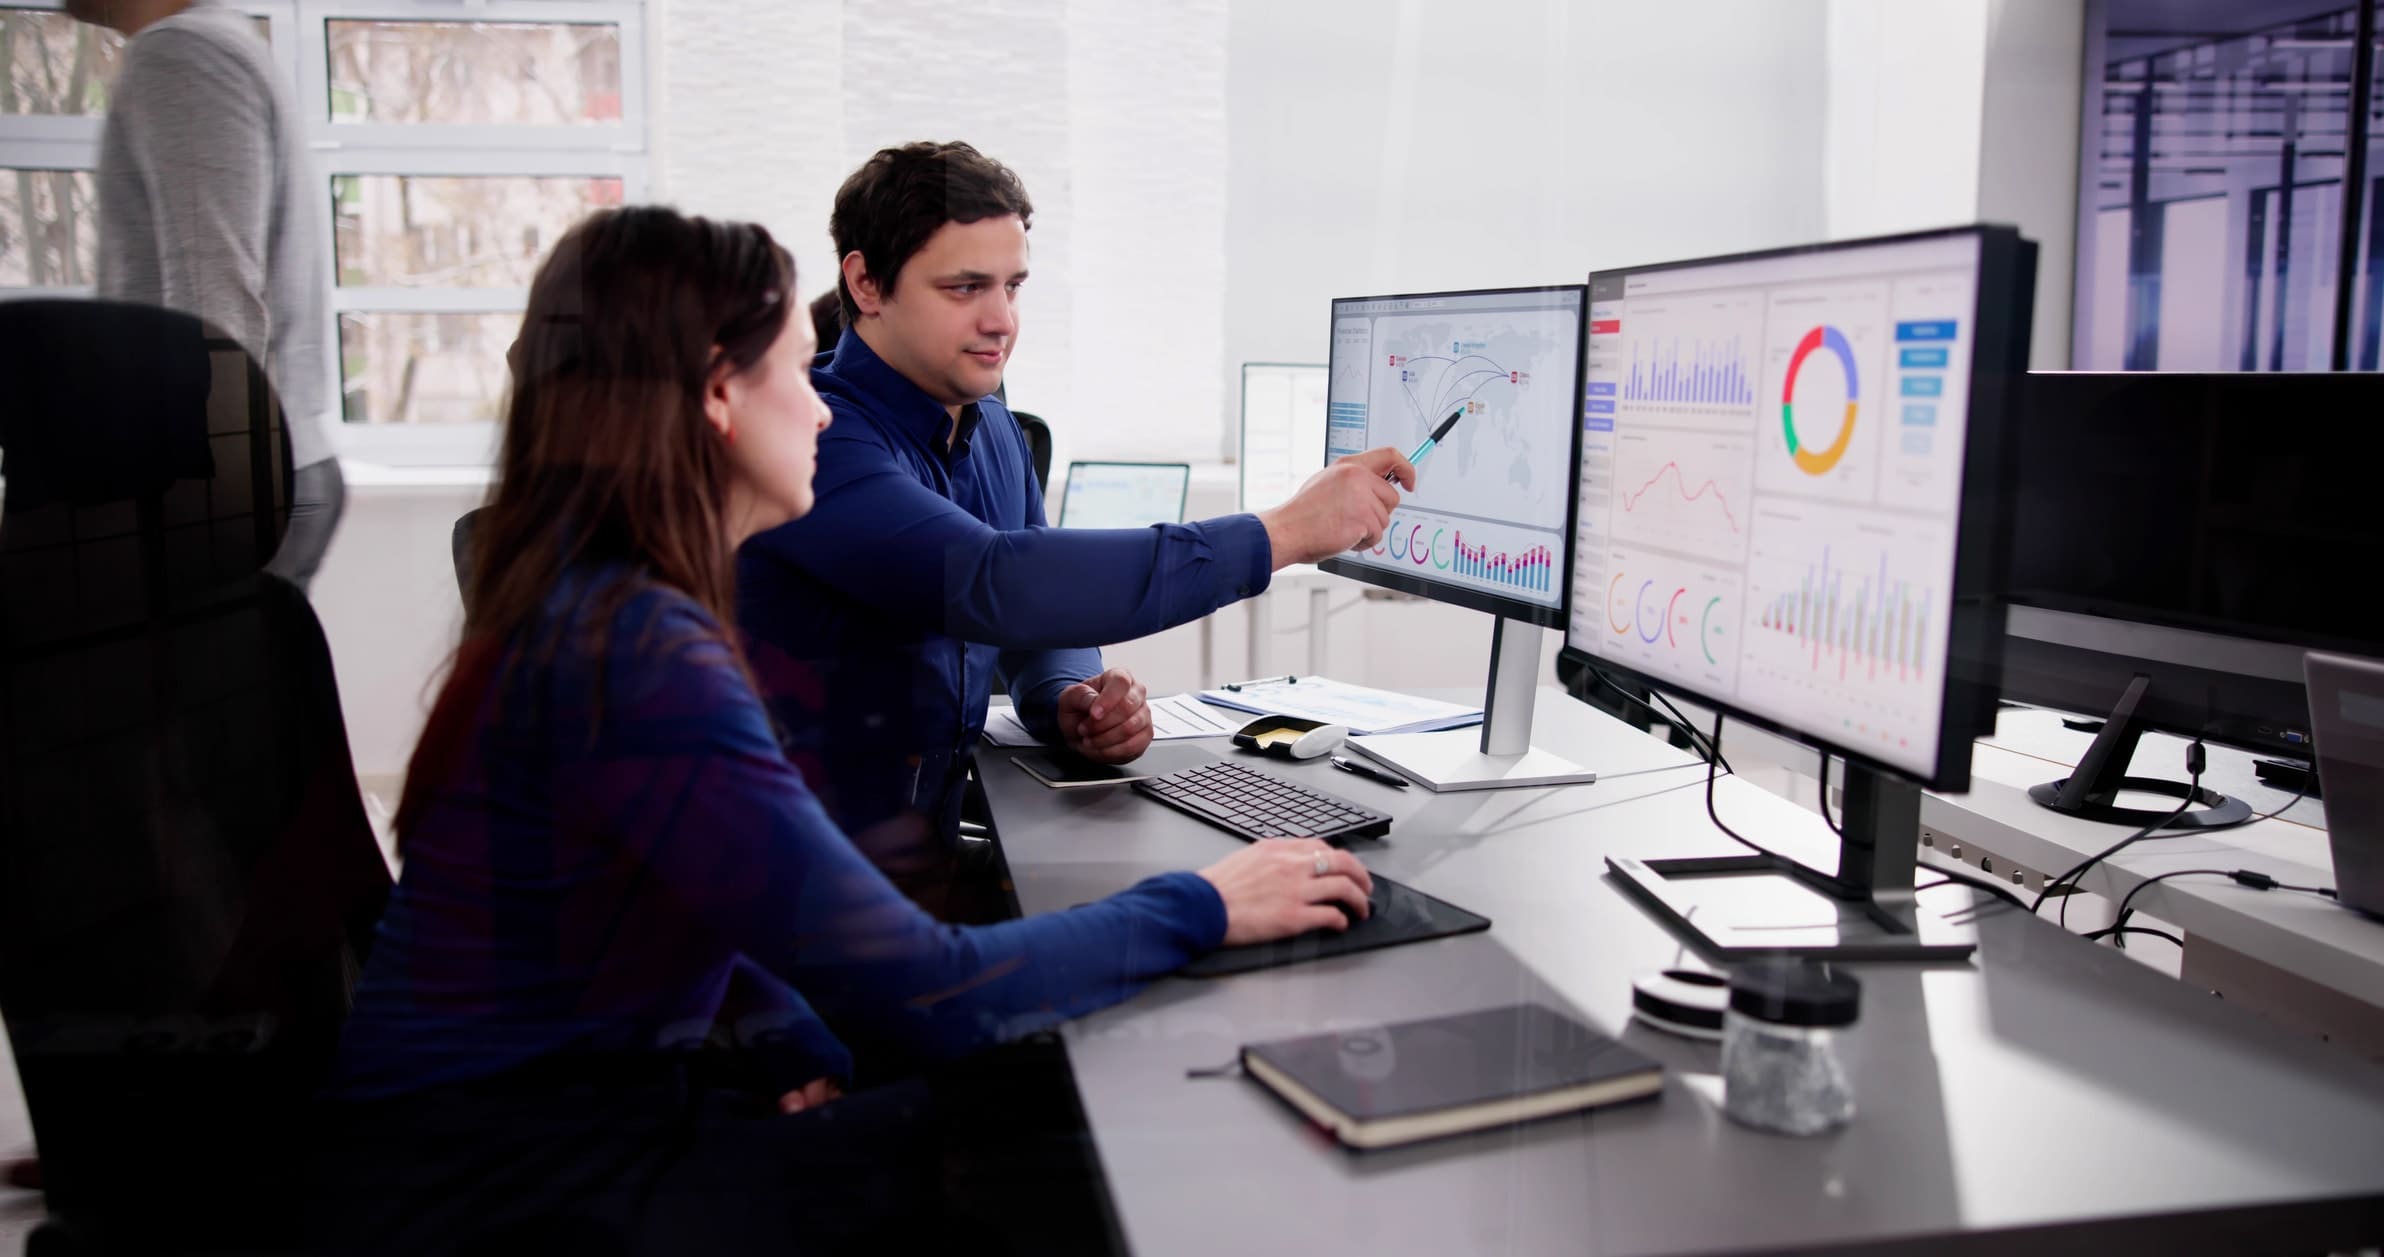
(1124, 495)
(1495, 375)
(1789, 482)
(2180, 540)
(1282, 429)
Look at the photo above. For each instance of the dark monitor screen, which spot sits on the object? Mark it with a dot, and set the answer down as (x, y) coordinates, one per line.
(2201, 530)
(2240, 504)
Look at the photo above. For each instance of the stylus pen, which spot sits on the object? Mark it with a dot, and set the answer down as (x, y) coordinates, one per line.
(1433, 441)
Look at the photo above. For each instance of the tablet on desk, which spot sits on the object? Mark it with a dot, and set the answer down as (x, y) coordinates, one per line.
(1066, 770)
(1062, 771)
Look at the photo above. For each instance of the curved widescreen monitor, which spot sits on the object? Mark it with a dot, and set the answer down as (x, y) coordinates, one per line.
(1788, 479)
(1489, 525)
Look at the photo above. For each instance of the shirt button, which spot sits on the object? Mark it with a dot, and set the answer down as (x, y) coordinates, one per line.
(1241, 591)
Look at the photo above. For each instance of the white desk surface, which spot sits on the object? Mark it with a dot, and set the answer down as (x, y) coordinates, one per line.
(2050, 1093)
(2304, 934)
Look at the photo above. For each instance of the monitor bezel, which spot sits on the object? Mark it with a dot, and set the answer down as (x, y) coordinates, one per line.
(1068, 485)
(2001, 311)
(1500, 605)
(1241, 444)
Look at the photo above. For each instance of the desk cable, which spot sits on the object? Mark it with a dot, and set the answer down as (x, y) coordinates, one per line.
(2194, 763)
(1709, 752)
(2193, 759)
(2253, 878)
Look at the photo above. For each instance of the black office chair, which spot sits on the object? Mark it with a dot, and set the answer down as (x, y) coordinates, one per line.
(188, 882)
(1038, 446)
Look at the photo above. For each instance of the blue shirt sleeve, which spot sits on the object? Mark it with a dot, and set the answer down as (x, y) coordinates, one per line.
(885, 540)
(1035, 678)
(689, 776)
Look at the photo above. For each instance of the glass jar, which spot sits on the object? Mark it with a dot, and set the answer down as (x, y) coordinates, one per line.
(1780, 1065)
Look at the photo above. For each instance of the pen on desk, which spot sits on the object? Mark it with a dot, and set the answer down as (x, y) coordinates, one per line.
(1374, 774)
(1431, 442)
(1236, 686)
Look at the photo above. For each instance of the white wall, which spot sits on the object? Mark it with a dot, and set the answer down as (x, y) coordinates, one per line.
(1111, 111)
(1906, 98)
(386, 597)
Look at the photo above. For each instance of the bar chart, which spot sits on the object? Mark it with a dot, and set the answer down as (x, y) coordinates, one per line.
(1697, 372)
(1533, 570)
(1872, 624)
(1847, 616)
(1482, 553)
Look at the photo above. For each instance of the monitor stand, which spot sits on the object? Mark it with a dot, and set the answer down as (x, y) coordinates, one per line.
(2092, 790)
(1501, 756)
(1740, 907)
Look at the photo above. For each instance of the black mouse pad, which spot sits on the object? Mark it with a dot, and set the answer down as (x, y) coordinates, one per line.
(1402, 914)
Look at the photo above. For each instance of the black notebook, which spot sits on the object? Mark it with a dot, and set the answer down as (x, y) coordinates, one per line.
(1390, 1085)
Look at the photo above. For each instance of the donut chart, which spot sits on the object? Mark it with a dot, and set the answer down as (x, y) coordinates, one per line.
(1810, 461)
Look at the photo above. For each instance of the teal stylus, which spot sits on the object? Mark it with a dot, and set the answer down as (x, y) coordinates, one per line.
(1433, 441)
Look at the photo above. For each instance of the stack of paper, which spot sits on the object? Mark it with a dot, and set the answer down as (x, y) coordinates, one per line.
(1361, 709)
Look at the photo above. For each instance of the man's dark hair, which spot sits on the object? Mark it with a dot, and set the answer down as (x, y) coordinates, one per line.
(902, 195)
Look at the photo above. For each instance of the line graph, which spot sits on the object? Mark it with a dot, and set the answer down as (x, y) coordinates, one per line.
(1684, 492)
(1680, 481)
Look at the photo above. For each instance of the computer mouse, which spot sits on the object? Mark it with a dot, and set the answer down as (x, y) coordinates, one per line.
(1321, 740)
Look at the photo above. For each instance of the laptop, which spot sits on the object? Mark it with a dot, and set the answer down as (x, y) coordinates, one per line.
(1125, 495)
(2347, 717)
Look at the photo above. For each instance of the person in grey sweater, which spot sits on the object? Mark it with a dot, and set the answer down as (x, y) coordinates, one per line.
(208, 205)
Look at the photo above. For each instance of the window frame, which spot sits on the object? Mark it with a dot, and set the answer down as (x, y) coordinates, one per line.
(300, 34)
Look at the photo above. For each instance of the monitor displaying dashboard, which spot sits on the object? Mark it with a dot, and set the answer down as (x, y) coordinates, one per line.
(1496, 372)
(1788, 480)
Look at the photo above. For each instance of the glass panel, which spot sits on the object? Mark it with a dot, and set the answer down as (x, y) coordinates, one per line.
(437, 231)
(2213, 224)
(47, 228)
(511, 73)
(424, 368)
(55, 64)
(2367, 295)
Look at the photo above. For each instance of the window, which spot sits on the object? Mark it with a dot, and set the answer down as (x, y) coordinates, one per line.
(2218, 160)
(455, 145)
(57, 67)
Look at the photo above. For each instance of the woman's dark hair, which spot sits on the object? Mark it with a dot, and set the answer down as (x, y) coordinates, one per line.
(607, 457)
(898, 198)
(827, 319)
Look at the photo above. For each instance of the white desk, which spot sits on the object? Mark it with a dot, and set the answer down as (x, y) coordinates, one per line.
(2051, 1095)
(2301, 959)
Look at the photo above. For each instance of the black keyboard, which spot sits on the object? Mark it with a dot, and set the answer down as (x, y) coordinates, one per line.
(1251, 805)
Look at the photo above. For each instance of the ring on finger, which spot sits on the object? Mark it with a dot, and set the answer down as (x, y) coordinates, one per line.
(1323, 864)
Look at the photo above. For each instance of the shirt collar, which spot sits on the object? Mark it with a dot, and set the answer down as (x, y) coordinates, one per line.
(905, 403)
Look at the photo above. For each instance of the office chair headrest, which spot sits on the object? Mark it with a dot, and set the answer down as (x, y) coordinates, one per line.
(100, 401)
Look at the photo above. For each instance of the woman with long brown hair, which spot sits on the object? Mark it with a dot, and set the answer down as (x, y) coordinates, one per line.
(607, 857)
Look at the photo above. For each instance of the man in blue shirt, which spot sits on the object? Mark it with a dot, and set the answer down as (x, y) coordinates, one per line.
(879, 622)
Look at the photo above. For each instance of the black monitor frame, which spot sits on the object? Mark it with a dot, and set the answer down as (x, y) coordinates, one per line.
(1438, 591)
(1999, 358)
